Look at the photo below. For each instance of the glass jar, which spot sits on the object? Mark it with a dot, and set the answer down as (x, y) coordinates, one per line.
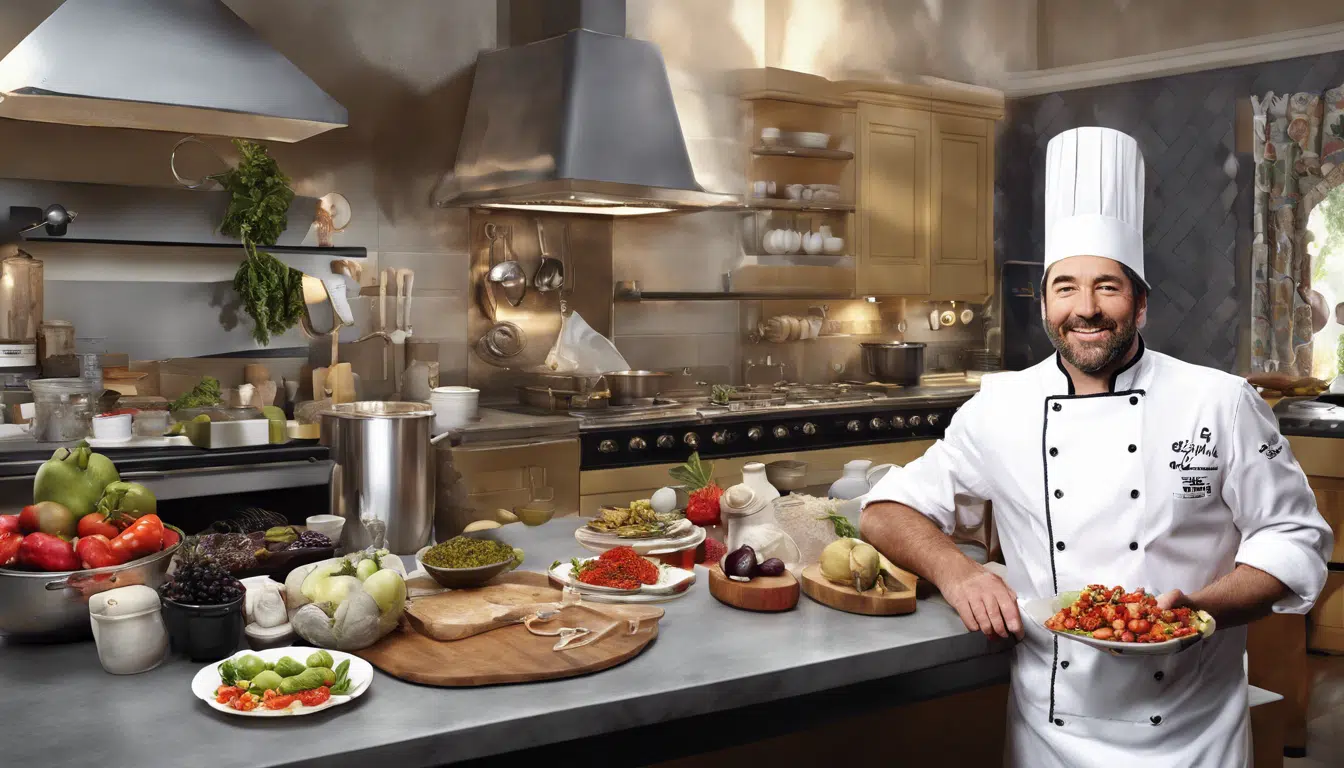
(62, 409)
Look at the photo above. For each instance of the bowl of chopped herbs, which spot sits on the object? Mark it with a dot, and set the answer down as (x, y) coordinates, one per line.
(463, 562)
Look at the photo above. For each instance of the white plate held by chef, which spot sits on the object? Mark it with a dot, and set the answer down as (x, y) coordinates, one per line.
(1119, 466)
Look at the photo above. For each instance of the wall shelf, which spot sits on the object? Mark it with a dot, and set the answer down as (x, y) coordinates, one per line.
(335, 252)
(729, 296)
(823, 154)
(770, 204)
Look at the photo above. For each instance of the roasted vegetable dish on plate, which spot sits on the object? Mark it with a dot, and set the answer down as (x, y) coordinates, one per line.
(1111, 613)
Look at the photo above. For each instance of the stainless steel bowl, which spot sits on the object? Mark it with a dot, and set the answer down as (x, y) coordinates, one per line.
(629, 387)
(893, 362)
(37, 606)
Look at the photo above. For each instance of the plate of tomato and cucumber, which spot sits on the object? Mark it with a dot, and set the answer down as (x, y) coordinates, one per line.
(1120, 621)
(279, 682)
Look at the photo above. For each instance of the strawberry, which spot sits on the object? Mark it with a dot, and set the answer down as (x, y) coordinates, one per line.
(703, 506)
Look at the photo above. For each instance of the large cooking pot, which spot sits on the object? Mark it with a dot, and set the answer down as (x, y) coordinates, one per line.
(53, 606)
(384, 472)
(628, 387)
(893, 362)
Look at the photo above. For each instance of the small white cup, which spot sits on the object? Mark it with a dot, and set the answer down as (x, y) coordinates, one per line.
(760, 188)
(327, 525)
(113, 428)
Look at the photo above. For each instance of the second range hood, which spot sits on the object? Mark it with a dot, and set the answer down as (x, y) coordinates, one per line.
(187, 66)
(579, 123)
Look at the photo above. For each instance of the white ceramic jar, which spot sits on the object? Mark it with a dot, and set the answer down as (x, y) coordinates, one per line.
(753, 476)
(128, 629)
(853, 483)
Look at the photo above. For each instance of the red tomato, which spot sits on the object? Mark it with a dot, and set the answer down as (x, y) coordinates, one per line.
(97, 524)
(280, 702)
(245, 703)
(314, 697)
(9, 524)
(227, 694)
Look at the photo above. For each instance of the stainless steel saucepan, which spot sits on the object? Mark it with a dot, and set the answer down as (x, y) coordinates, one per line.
(893, 362)
(629, 387)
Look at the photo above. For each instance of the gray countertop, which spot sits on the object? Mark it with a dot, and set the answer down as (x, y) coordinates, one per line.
(708, 658)
(495, 425)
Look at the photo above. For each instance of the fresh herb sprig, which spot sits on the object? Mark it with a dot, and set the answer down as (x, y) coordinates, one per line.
(259, 199)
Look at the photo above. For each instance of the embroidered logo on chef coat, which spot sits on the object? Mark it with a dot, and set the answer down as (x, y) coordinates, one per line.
(1197, 455)
(1272, 448)
(1194, 487)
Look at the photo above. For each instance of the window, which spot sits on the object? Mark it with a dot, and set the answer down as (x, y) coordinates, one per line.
(1326, 248)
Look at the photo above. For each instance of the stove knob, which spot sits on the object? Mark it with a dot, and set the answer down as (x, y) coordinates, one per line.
(691, 439)
(809, 429)
(638, 444)
(754, 433)
(933, 419)
(878, 424)
(606, 446)
(915, 420)
(855, 426)
(719, 438)
(898, 422)
(666, 441)
(781, 432)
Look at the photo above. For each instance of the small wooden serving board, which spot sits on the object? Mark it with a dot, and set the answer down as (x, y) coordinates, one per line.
(494, 648)
(868, 603)
(460, 613)
(763, 593)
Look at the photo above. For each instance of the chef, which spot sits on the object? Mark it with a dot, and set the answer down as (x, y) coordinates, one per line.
(1113, 464)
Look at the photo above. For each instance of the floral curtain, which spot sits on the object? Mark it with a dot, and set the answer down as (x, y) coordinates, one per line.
(1299, 156)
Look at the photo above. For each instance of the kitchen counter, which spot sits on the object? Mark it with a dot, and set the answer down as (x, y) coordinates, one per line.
(498, 425)
(708, 658)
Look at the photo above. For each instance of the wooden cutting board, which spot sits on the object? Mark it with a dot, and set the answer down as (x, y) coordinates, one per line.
(462, 613)
(868, 603)
(764, 593)
(513, 654)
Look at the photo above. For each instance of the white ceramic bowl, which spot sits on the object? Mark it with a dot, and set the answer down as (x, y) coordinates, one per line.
(454, 407)
(810, 139)
(833, 245)
(813, 243)
(794, 191)
(113, 428)
(327, 525)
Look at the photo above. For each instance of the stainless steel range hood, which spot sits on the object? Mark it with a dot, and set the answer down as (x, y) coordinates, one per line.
(188, 66)
(583, 122)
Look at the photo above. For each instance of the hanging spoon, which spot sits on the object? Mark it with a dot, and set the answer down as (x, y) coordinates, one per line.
(551, 273)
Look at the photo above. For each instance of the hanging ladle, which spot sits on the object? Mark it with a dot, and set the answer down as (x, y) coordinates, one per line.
(551, 273)
(508, 274)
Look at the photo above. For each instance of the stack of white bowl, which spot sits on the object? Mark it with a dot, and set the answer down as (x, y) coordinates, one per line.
(453, 407)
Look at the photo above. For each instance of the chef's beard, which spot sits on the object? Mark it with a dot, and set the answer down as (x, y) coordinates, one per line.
(1094, 356)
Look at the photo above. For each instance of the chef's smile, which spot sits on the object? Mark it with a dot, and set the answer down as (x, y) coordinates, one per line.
(1091, 311)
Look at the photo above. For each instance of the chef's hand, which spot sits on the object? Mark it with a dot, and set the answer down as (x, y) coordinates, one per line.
(1174, 599)
(985, 603)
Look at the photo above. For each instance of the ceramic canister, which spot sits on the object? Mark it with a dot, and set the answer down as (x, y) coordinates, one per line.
(128, 629)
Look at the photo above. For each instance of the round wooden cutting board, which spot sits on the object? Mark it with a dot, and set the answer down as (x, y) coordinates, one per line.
(767, 594)
(848, 599)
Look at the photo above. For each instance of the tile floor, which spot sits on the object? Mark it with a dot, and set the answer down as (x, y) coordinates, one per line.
(1325, 716)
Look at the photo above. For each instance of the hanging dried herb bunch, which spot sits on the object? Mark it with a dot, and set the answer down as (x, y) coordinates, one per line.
(259, 198)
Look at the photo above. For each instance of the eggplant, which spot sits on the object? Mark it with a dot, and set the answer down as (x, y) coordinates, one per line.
(772, 567)
(740, 563)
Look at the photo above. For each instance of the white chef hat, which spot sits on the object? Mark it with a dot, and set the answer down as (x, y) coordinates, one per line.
(1094, 197)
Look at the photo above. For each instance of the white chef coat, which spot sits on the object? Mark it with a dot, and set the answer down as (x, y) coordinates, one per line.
(1166, 482)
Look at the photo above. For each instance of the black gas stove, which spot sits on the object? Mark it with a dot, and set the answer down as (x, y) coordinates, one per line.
(667, 437)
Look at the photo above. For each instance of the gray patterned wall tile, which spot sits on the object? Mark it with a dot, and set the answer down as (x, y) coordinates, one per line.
(1198, 209)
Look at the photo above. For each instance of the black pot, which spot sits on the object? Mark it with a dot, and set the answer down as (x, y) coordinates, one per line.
(204, 632)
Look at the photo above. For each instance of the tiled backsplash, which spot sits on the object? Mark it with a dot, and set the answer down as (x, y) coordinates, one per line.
(1197, 226)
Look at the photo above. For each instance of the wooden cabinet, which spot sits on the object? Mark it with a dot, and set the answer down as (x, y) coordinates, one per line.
(961, 202)
(893, 200)
(925, 191)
